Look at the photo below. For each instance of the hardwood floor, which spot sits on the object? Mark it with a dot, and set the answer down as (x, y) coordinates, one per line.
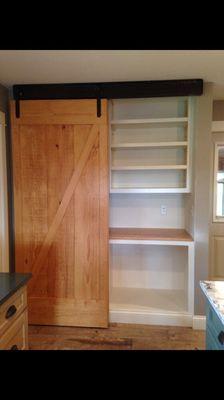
(116, 337)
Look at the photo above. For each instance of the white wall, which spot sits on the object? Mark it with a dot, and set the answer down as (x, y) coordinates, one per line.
(203, 193)
(143, 210)
(149, 267)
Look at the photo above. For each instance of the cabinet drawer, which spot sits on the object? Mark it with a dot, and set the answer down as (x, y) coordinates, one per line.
(15, 338)
(12, 308)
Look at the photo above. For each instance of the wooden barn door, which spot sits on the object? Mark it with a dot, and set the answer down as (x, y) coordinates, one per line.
(60, 173)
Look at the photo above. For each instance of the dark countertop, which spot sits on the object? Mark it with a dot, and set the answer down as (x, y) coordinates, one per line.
(10, 283)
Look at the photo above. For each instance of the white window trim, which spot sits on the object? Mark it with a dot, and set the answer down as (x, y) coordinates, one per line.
(4, 236)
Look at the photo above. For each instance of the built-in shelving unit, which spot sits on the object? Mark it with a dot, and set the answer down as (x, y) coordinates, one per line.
(150, 145)
(151, 256)
(173, 305)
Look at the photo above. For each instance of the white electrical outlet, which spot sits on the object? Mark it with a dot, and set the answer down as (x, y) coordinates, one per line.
(163, 210)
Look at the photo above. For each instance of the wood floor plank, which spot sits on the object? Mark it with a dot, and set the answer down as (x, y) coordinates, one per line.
(116, 337)
(79, 343)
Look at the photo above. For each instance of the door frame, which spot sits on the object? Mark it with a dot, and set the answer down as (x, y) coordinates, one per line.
(215, 225)
(216, 146)
(4, 199)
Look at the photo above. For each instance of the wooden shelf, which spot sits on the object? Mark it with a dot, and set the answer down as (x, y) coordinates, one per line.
(181, 120)
(148, 145)
(147, 167)
(150, 234)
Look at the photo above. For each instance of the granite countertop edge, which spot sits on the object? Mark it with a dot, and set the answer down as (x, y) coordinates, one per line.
(10, 283)
(210, 294)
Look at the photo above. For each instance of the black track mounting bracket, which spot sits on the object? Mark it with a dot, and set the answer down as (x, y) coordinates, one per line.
(107, 90)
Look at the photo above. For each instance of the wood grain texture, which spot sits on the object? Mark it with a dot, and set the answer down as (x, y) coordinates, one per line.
(39, 112)
(150, 234)
(116, 337)
(63, 204)
(16, 334)
(19, 300)
(61, 212)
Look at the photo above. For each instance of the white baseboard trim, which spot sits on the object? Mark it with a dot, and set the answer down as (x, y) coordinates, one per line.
(149, 318)
(199, 322)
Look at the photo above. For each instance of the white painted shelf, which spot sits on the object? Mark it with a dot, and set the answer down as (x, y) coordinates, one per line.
(149, 306)
(148, 190)
(151, 300)
(181, 120)
(147, 167)
(148, 145)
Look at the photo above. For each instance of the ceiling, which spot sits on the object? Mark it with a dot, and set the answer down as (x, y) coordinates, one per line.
(64, 66)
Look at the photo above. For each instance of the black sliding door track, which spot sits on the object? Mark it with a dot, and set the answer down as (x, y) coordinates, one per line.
(107, 90)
